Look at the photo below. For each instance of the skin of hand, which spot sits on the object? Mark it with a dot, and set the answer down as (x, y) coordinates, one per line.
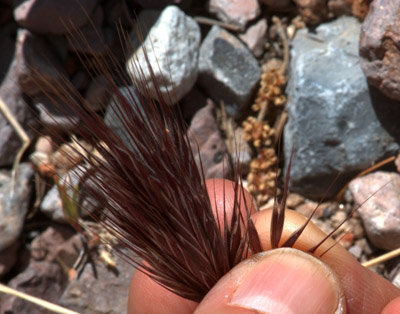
(280, 280)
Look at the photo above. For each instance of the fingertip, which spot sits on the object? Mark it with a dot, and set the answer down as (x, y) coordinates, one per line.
(393, 307)
(278, 281)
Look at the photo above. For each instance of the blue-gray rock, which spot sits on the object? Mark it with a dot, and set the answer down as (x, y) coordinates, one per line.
(14, 201)
(335, 122)
(172, 49)
(381, 213)
(228, 71)
(12, 96)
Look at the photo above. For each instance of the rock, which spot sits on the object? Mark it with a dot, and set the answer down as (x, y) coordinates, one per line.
(8, 258)
(14, 201)
(13, 98)
(335, 123)
(54, 112)
(52, 205)
(205, 137)
(39, 67)
(172, 48)
(88, 295)
(57, 242)
(228, 71)
(97, 94)
(112, 117)
(360, 8)
(89, 39)
(255, 37)
(397, 162)
(238, 12)
(7, 41)
(54, 17)
(379, 50)
(41, 279)
(313, 12)
(381, 213)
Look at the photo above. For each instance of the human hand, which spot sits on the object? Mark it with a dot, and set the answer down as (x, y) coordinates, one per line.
(279, 280)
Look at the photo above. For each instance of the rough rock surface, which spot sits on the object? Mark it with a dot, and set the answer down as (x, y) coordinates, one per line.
(48, 16)
(228, 71)
(236, 12)
(205, 136)
(39, 66)
(381, 214)
(86, 294)
(379, 47)
(12, 96)
(40, 279)
(14, 201)
(255, 37)
(172, 45)
(313, 12)
(335, 122)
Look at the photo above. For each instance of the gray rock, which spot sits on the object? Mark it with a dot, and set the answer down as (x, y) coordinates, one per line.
(114, 113)
(380, 34)
(41, 279)
(172, 48)
(14, 204)
(89, 295)
(39, 66)
(54, 17)
(238, 12)
(12, 96)
(228, 71)
(335, 123)
(54, 112)
(381, 213)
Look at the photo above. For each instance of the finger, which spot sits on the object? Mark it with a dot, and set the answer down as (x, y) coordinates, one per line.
(365, 291)
(278, 281)
(146, 296)
(393, 307)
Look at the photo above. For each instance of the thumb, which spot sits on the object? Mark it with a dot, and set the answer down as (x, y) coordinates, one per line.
(278, 281)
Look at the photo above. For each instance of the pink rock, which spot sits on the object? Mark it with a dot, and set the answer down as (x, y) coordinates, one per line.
(379, 49)
(236, 12)
(52, 17)
(204, 136)
(255, 37)
(381, 213)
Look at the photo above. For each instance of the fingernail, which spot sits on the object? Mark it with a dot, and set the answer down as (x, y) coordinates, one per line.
(290, 281)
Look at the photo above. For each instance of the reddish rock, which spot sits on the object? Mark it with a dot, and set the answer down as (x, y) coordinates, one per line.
(106, 294)
(8, 258)
(360, 8)
(39, 66)
(381, 213)
(41, 279)
(379, 48)
(255, 37)
(313, 12)
(89, 39)
(52, 17)
(204, 135)
(236, 12)
(57, 242)
(97, 94)
(339, 7)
